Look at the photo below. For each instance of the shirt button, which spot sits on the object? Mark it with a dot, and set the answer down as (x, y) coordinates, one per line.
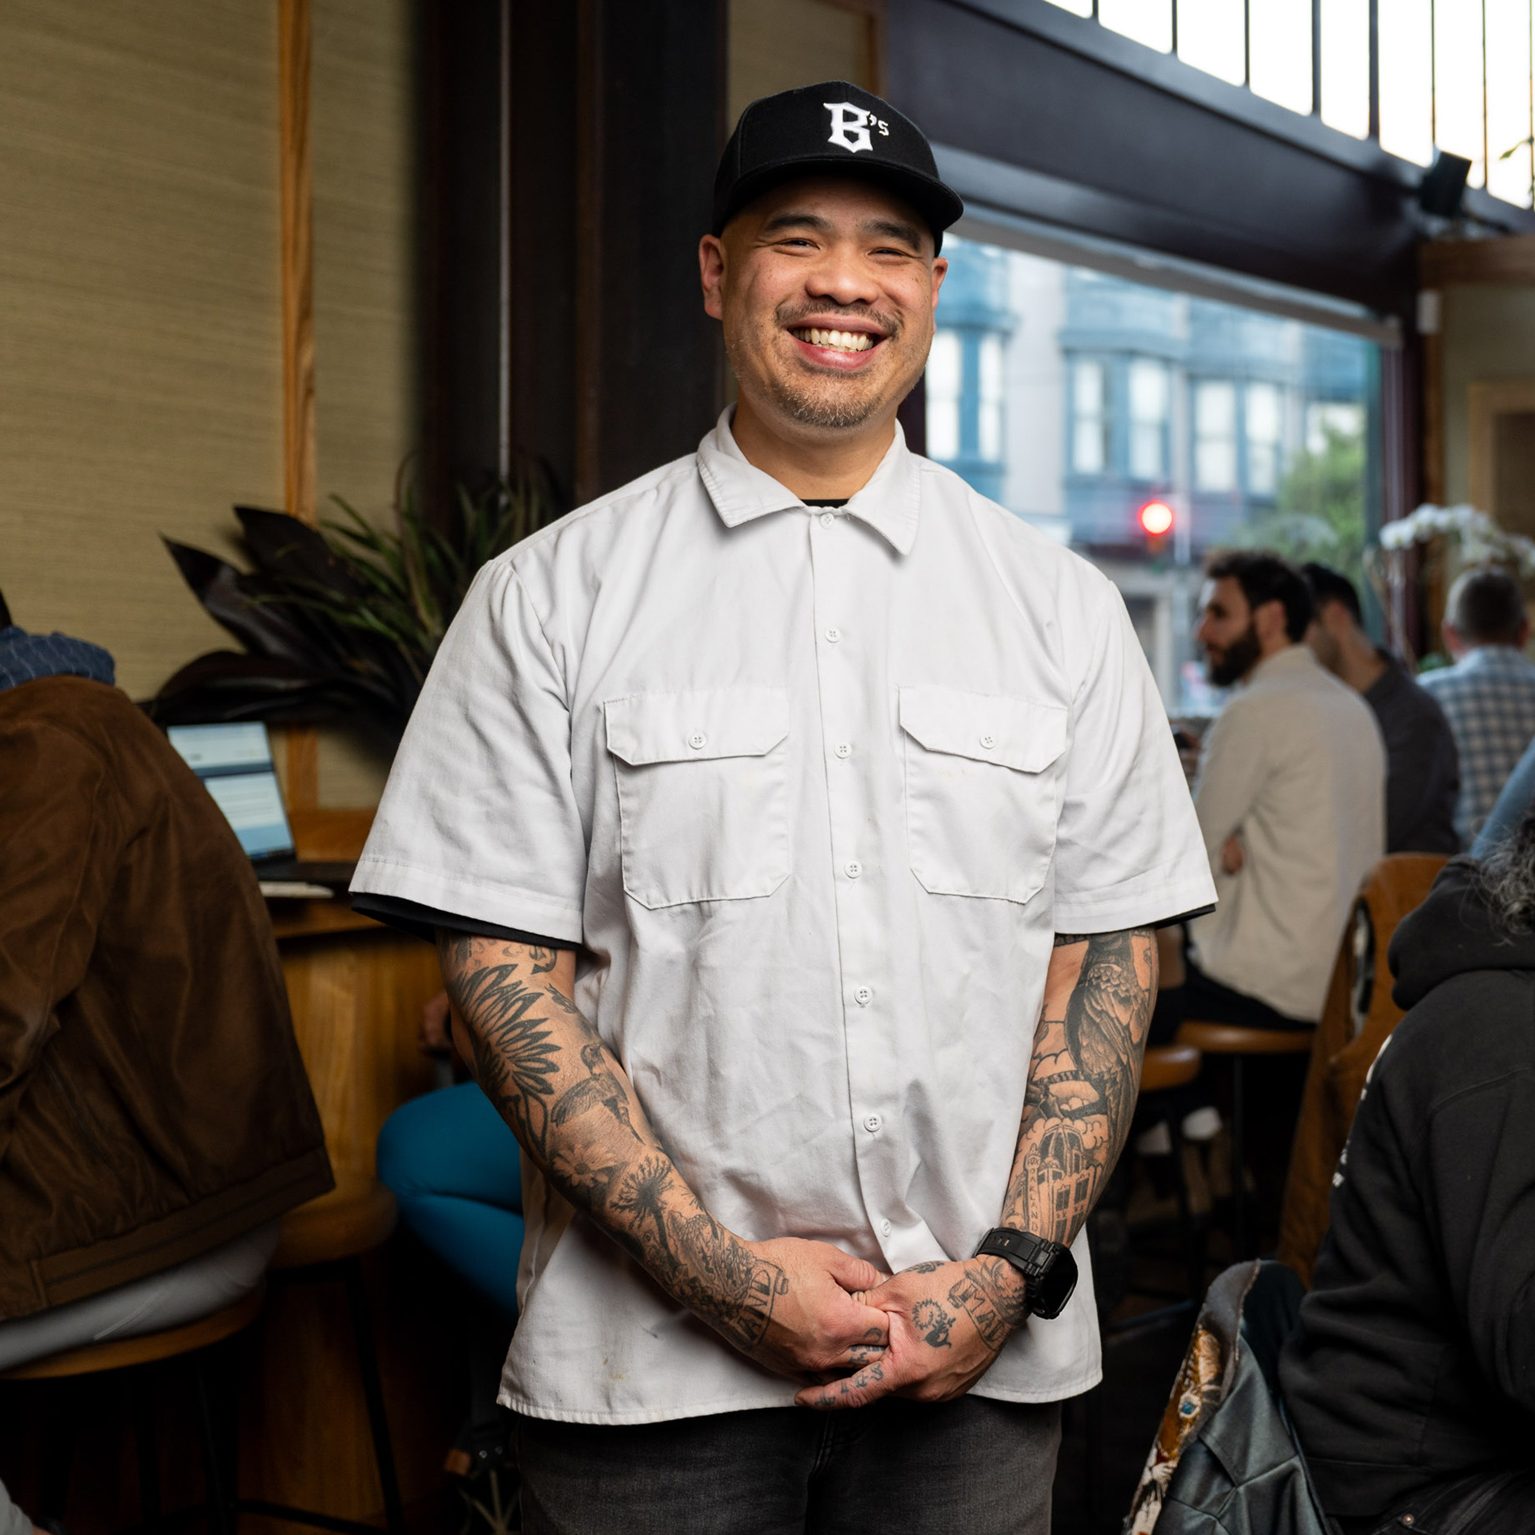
(872, 1124)
(833, 635)
(864, 996)
(853, 869)
(844, 749)
(884, 1228)
(698, 740)
(988, 742)
(827, 519)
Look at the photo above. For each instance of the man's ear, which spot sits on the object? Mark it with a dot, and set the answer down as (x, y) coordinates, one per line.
(711, 275)
(1271, 623)
(1452, 640)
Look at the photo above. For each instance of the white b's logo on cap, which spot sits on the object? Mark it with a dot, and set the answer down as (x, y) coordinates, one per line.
(850, 126)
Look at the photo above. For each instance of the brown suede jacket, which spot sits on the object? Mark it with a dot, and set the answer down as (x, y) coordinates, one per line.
(153, 1104)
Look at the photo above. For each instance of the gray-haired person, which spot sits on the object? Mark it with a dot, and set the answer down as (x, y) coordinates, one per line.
(1488, 695)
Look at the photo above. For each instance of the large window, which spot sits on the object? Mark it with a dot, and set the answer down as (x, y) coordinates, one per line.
(1455, 74)
(1075, 396)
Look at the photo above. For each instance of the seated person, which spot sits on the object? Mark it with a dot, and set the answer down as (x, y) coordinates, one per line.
(1510, 807)
(455, 1169)
(1411, 1378)
(155, 1117)
(1422, 769)
(1291, 798)
(1488, 695)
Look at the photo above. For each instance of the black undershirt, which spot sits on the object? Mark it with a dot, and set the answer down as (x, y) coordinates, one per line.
(423, 921)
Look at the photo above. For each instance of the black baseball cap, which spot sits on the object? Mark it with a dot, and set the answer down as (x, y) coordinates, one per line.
(837, 128)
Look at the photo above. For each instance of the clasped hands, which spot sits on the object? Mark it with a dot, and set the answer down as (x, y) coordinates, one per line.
(928, 1333)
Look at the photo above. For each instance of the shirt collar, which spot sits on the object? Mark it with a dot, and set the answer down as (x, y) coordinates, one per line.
(1294, 655)
(741, 492)
(27, 657)
(1508, 657)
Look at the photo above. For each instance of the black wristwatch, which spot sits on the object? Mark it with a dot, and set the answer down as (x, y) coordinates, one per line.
(1049, 1271)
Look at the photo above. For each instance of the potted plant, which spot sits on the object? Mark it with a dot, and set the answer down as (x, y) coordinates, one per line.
(340, 622)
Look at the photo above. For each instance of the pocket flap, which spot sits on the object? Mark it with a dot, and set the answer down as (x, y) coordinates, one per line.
(697, 725)
(1017, 732)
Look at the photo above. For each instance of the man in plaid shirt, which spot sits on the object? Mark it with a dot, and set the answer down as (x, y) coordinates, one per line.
(1488, 695)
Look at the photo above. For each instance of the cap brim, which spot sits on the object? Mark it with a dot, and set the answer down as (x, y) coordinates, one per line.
(939, 206)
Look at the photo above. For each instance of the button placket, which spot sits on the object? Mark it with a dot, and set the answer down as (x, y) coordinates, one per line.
(838, 592)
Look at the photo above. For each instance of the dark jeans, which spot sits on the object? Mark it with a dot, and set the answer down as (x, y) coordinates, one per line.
(897, 1468)
(1484, 1503)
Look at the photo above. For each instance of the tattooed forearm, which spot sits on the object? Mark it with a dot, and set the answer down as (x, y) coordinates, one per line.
(565, 1096)
(1083, 1079)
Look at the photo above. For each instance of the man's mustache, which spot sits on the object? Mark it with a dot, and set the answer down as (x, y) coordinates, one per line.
(889, 324)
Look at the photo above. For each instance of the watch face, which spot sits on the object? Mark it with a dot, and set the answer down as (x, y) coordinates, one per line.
(1053, 1288)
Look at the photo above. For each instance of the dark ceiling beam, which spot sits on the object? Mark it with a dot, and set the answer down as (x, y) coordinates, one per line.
(1062, 121)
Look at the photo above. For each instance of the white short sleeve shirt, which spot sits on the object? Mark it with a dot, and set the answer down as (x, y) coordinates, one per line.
(814, 790)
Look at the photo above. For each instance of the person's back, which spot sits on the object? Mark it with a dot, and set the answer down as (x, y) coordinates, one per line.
(153, 1104)
(1411, 1379)
(1488, 695)
(1294, 767)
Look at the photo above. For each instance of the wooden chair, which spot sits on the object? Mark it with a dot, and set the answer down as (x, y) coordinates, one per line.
(324, 1241)
(139, 1355)
(1357, 1018)
(1236, 1044)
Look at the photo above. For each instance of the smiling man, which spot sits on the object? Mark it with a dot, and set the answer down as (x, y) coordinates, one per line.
(792, 821)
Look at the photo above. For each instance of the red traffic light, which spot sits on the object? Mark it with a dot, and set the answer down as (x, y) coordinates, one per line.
(1156, 518)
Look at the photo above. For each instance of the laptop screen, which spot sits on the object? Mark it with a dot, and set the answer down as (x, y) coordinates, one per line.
(235, 765)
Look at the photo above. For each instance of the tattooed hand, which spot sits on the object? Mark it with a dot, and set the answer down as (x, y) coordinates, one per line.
(947, 1321)
(821, 1322)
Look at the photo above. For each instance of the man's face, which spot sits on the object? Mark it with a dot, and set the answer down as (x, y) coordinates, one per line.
(826, 289)
(1226, 632)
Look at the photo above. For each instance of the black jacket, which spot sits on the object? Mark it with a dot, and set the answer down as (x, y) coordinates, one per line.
(1415, 1357)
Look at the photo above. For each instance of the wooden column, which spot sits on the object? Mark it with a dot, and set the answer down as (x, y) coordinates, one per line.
(297, 183)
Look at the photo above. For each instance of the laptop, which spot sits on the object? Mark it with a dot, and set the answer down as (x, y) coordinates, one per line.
(234, 763)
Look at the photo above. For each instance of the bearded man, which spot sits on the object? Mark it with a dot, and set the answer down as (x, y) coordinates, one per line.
(1290, 798)
(792, 821)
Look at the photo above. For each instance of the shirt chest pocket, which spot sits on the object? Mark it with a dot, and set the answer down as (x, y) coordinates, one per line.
(703, 793)
(983, 790)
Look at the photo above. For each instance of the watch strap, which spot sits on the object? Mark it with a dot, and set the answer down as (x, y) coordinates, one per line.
(1034, 1257)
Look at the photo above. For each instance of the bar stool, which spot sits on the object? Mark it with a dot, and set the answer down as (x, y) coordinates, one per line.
(320, 1242)
(138, 1355)
(1237, 1043)
(1164, 1069)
